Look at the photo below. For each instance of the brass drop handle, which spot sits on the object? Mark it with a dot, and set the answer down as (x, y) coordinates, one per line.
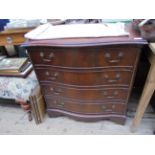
(106, 95)
(53, 77)
(110, 96)
(49, 58)
(117, 77)
(104, 108)
(115, 93)
(113, 106)
(110, 60)
(61, 104)
(56, 92)
(55, 101)
(108, 109)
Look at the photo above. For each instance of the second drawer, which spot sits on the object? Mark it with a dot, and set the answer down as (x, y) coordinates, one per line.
(86, 77)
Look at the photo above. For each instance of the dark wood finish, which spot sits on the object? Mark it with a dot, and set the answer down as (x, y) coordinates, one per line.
(85, 93)
(120, 119)
(86, 78)
(85, 107)
(89, 56)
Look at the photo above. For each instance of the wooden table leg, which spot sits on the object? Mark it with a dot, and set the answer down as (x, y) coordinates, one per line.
(147, 93)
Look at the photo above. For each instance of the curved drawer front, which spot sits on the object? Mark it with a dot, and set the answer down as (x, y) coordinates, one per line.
(86, 78)
(85, 56)
(85, 93)
(89, 108)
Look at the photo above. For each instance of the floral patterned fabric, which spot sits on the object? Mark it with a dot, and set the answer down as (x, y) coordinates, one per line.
(17, 88)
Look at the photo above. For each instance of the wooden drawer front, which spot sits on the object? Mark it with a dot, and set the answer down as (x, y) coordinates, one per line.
(89, 108)
(84, 56)
(85, 93)
(12, 39)
(87, 78)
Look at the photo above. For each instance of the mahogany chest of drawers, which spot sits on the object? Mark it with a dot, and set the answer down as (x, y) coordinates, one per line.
(86, 78)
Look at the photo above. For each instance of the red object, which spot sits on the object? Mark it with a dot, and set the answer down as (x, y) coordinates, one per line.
(24, 105)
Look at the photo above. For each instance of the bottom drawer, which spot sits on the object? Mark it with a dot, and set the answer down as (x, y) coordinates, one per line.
(85, 107)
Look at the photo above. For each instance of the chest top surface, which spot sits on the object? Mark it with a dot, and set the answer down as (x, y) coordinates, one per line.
(131, 39)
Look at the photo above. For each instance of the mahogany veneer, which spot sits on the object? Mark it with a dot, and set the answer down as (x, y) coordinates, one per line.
(86, 78)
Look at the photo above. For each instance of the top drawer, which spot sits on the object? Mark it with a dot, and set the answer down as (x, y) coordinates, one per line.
(68, 57)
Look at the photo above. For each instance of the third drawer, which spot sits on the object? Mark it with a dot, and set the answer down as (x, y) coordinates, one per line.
(91, 93)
